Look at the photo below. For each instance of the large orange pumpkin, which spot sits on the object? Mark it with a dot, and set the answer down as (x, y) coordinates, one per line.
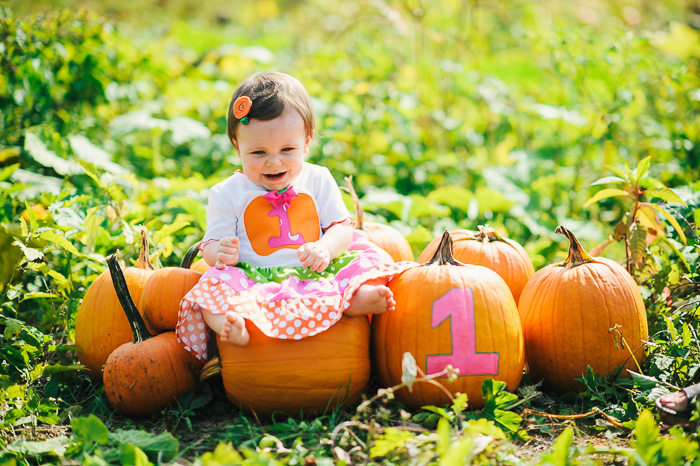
(165, 288)
(486, 247)
(311, 375)
(568, 311)
(144, 376)
(386, 237)
(101, 325)
(448, 313)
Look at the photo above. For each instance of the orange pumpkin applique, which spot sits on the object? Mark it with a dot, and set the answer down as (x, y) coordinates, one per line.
(271, 228)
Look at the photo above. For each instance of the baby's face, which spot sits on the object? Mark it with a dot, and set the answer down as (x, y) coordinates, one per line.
(272, 152)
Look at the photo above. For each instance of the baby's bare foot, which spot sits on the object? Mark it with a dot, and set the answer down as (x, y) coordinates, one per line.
(371, 299)
(234, 331)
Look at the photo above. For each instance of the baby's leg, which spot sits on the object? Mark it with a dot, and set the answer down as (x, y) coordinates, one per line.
(372, 297)
(230, 326)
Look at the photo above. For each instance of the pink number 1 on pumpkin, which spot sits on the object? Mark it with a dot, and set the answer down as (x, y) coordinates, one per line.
(458, 305)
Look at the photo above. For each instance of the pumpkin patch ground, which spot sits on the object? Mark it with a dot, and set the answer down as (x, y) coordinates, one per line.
(556, 143)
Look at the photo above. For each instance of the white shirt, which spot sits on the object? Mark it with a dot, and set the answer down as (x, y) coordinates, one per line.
(270, 236)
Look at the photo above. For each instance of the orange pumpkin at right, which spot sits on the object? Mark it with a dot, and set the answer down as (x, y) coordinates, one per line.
(572, 313)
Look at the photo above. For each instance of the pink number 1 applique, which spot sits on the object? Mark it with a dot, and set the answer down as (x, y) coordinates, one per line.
(286, 238)
(463, 332)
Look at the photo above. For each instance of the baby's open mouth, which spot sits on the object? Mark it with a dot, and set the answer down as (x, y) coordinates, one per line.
(274, 176)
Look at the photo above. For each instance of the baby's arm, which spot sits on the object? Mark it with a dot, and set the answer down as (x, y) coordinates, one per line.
(318, 254)
(221, 253)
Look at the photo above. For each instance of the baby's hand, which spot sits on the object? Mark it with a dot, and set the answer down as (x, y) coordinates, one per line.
(227, 252)
(315, 256)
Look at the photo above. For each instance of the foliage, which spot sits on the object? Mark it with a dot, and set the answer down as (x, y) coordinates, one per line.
(641, 225)
(447, 115)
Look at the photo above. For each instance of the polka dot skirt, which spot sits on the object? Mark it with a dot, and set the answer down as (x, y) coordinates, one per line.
(291, 309)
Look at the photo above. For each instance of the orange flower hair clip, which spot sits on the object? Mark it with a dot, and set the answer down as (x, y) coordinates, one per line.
(241, 107)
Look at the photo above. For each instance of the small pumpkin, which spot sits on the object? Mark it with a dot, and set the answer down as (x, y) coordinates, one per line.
(568, 311)
(449, 313)
(488, 248)
(165, 288)
(200, 265)
(311, 375)
(144, 376)
(386, 237)
(101, 325)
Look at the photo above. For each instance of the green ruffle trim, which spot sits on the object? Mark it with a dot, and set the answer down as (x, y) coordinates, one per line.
(277, 274)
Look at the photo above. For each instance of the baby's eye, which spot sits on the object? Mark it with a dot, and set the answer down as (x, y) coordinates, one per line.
(287, 149)
(258, 152)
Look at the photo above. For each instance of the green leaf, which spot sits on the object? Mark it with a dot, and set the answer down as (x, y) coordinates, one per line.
(152, 444)
(452, 196)
(6, 172)
(643, 381)
(168, 230)
(390, 440)
(443, 432)
(33, 224)
(620, 173)
(459, 454)
(561, 453)
(61, 281)
(90, 171)
(508, 420)
(671, 328)
(63, 243)
(638, 243)
(646, 436)
(648, 218)
(90, 429)
(409, 370)
(131, 455)
(224, 453)
(687, 335)
(45, 370)
(30, 253)
(666, 194)
(606, 193)
(37, 149)
(25, 448)
(609, 179)
(87, 151)
(643, 168)
(491, 199)
(496, 401)
(186, 129)
(672, 221)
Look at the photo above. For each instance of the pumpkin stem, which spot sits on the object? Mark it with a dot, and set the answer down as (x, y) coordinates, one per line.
(487, 234)
(138, 326)
(190, 256)
(144, 261)
(355, 200)
(443, 254)
(577, 255)
(210, 369)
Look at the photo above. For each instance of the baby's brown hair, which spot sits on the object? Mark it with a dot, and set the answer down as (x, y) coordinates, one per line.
(271, 92)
